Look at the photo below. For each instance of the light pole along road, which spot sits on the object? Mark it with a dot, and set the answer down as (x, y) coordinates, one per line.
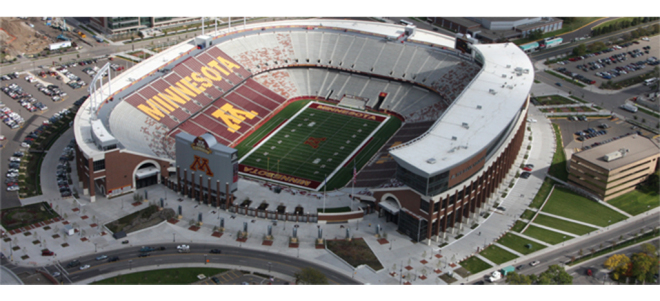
(239, 258)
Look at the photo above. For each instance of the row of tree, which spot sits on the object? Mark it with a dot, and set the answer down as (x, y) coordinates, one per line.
(625, 23)
(555, 274)
(640, 266)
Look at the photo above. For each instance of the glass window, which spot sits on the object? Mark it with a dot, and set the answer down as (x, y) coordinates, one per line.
(99, 165)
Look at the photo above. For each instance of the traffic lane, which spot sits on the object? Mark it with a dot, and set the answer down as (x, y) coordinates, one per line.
(584, 31)
(230, 255)
(568, 47)
(564, 254)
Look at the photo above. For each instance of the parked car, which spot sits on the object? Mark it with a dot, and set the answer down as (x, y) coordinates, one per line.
(525, 175)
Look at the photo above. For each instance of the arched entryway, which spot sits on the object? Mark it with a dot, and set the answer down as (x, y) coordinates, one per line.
(389, 208)
(146, 174)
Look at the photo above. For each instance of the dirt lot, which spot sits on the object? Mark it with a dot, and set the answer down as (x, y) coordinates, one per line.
(17, 37)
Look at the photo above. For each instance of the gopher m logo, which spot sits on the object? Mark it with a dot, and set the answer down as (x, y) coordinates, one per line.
(314, 142)
(202, 164)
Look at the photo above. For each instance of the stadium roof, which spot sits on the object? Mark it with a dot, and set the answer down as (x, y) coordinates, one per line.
(482, 112)
(123, 122)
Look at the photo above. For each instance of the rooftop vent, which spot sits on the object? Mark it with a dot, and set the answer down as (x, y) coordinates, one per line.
(478, 107)
(508, 66)
(503, 75)
(492, 91)
(431, 161)
(453, 138)
(465, 125)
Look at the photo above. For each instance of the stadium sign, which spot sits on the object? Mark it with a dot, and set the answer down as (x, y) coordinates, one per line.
(201, 145)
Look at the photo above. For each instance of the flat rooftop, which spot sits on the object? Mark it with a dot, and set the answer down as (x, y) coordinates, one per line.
(478, 115)
(638, 147)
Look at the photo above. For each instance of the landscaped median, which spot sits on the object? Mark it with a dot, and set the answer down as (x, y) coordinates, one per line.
(475, 265)
(497, 254)
(546, 235)
(519, 244)
(164, 276)
(563, 225)
(565, 203)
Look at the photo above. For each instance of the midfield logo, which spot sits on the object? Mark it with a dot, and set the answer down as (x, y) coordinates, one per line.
(202, 164)
(314, 142)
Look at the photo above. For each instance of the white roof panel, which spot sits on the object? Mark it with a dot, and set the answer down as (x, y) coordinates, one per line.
(510, 87)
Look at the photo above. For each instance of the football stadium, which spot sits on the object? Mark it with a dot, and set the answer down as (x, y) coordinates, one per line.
(424, 125)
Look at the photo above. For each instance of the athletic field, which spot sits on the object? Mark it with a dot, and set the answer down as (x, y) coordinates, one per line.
(317, 141)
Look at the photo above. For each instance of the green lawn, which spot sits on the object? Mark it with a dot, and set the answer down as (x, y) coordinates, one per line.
(548, 236)
(563, 225)
(636, 201)
(565, 203)
(497, 254)
(312, 145)
(542, 193)
(165, 276)
(474, 265)
(558, 167)
(518, 243)
(528, 214)
(618, 20)
(553, 100)
(518, 226)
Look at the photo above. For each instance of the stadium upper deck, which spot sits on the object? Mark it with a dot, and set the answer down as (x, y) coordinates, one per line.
(176, 90)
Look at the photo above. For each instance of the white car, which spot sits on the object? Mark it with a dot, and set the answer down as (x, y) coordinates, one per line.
(13, 188)
(183, 247)
(84, 267)
(534, 263)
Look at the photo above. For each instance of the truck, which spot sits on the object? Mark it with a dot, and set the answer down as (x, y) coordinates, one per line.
(82, 34)
(59, 45)
(147, 249)
(628, 107)
(497, 275)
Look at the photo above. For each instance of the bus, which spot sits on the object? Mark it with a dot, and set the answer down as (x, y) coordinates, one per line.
(649, 81)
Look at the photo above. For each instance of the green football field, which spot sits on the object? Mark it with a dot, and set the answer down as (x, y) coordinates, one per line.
(310, 146)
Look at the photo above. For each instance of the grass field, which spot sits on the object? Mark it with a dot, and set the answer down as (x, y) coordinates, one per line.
(565, 203)
(636, 201)
(545, 235)
(577, 23)
(542, 193)
(356, 252)
(314, 144)
(553, 100)
(497, 254)
(562, 225)
(558, 167)
(518, 244)
(474, 265)
(528, 214)
(165, 276)
(518, 226)
(311, 145)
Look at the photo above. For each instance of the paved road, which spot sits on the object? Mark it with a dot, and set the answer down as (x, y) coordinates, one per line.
(564, 254)
(236, 256)
(584, 31)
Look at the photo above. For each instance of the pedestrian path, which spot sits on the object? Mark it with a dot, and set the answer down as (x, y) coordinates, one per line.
(570, 220)
(531, 238)
(509, 250)
(555, 230)
(486, 260)
(615, 209)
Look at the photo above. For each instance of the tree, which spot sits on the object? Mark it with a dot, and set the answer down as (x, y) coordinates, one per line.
(649, 249)
(616, 261)
(555, 274)
(580, 50)
(644, 267)
(310, 276)
(515, 278)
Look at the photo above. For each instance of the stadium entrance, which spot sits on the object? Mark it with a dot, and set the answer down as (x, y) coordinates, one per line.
(146, 175)
(390, 210)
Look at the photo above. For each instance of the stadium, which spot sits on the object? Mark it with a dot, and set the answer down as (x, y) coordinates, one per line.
(424, 125)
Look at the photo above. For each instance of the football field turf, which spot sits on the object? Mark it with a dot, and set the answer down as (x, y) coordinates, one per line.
(314, 143)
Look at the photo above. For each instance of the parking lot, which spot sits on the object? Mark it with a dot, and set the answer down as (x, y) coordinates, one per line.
(618, 62)
(576, 135)
(54, 90)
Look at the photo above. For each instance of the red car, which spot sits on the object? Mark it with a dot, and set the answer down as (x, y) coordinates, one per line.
(527, 169)
(47, 253)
